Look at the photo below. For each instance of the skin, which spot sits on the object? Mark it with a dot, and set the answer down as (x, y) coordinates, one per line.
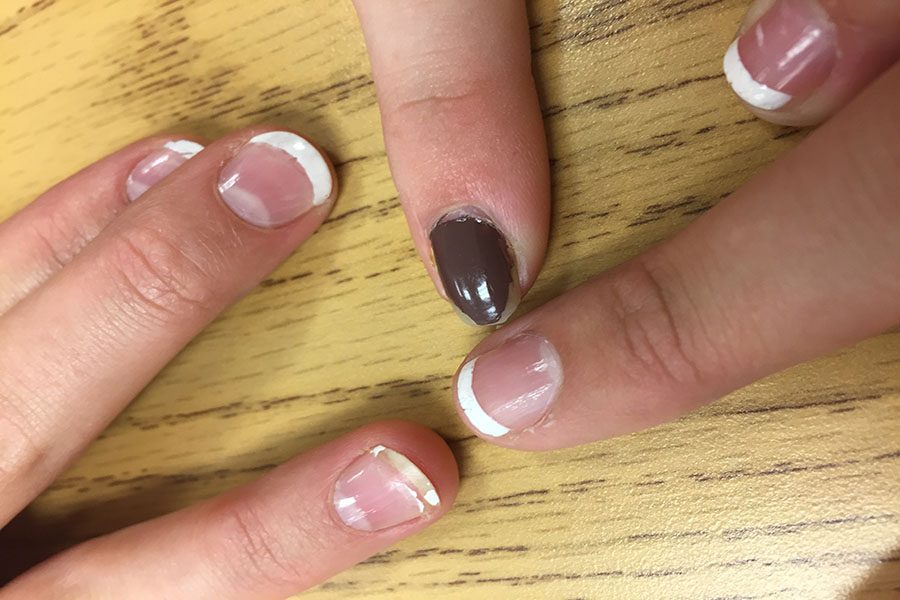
(462, 123)
(869, 36)
(801, 261)
(797, 263)
(268, 539)
(98, 318)
(793, 265)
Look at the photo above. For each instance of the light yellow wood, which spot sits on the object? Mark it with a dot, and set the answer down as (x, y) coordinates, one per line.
(787, 489)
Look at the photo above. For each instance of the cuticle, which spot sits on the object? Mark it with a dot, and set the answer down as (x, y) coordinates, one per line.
(465, 210)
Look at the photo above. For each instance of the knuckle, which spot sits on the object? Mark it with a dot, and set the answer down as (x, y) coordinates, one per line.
(651, 332)
(156, 274)
(254, 551)
(57, 244)
(454, 95)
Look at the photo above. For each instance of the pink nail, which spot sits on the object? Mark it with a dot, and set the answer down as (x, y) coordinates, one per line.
(786, 55)
(275, 178)
(158, 165)
(381, 489)
(512, 387)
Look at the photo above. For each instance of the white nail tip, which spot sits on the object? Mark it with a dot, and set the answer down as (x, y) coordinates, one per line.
(419, 481)
(748, 89)
(476, 415)
(307, 156)
(431, 497)
(186, 148)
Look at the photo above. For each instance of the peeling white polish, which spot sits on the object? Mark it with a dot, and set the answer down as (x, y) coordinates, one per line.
(422, 486)
(186, 148)
(307, 156)
(465, 393)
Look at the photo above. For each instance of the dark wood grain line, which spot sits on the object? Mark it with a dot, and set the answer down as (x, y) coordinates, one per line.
(24, 13)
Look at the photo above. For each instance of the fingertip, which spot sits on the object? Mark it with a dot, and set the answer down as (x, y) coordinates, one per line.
(797, 62)
(270, 180)
(275, 176)
(507, 388)
(161, 160)
(421, 445)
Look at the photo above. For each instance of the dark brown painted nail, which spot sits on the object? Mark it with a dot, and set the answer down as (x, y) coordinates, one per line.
(476, 267)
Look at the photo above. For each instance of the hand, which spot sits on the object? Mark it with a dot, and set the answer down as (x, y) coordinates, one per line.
(802, 260)
(103, 280)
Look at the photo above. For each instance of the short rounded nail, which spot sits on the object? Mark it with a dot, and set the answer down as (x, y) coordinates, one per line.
(511, 387)
(476, 267)
(382, 489)
(785, 56)
(274, 178)
(158, 165)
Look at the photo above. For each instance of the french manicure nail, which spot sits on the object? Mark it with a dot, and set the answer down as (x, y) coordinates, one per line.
(158, 165)
(476, 266)
(511, 387)
(786, 55)
(381, 489)
(275, 178)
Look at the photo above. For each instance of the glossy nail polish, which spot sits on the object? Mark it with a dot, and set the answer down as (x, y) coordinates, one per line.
(786, 55)
(476, 267)
(158, 165)
(381, 489)
(511, 387)
(275, 178)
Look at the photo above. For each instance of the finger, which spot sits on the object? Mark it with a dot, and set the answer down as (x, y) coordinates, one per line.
(801, 261)
(796, 62)
(45, 236)
(464, 135)
(80, 347)
(295, 527)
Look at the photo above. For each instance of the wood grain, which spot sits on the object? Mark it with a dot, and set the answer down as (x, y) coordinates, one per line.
(787, 489)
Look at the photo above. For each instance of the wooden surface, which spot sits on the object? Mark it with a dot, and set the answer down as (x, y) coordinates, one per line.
(787, 489)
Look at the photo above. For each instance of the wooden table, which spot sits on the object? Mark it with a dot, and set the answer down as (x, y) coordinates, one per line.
(787, 489)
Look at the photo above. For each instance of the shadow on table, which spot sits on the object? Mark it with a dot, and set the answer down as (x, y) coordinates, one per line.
(30, 539)
(883, 582)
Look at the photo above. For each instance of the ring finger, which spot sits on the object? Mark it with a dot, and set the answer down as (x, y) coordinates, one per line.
(76, 350)
(48, 233)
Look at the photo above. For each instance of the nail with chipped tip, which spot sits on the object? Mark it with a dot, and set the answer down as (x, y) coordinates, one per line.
(275, 178)
(382, 489)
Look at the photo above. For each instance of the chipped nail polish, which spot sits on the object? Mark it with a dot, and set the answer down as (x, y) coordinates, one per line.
(275, 178)
(381, 489)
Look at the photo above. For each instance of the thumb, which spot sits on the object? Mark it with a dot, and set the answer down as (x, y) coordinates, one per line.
(796, 62)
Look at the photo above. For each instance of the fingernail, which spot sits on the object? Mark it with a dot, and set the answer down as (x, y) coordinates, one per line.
(158, 166)
(512, 387)
(381, 489)
(275, 178)
(476, 266)
(786, 55)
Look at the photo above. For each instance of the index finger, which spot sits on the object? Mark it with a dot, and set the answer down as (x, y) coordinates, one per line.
(799, 262)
